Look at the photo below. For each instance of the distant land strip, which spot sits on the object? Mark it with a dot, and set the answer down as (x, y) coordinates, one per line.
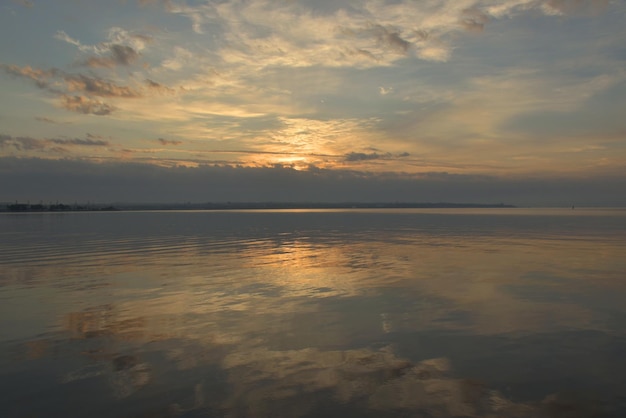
(53, 207)
(61, 207)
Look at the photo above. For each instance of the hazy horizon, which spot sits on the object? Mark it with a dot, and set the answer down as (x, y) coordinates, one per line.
(69, 181)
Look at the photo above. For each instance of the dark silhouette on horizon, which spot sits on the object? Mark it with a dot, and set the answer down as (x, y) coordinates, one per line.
(60, 207)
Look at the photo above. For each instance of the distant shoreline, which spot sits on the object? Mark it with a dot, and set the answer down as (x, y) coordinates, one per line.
(59, 207)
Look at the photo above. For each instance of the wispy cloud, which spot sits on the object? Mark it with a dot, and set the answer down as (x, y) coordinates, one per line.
(119, 55)
(123, 48)
(25, 143)
(362, 33)
(76, 92)
(169, 141)
(79, 141)
(46, 120)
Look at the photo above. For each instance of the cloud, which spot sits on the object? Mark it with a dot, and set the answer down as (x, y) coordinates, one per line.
(137, 41)
(85, 105)
(181, 58)
(279, 77)
(26, 143)
(45, 120)
(122, 48)
(390, 39)
(266, 33)
(98, 87)
(108, 181)
(158, 87)
(62, 36)
(78, 141)
(120, 55)
(22, 143)
(474, 20)
(66, 86)
(40, 77)
(57, 81)
(347, 37)
(169, 141)
(359, 156)
(117, 37)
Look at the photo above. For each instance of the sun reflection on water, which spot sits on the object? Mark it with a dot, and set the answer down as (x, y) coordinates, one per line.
(259, 320)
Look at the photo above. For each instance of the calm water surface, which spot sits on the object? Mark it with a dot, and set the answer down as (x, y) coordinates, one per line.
(411, 313)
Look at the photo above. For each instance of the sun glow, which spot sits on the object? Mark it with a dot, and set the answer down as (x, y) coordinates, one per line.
(297, 163)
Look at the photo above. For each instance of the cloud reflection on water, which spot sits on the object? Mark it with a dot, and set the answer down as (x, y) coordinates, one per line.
(286, 318)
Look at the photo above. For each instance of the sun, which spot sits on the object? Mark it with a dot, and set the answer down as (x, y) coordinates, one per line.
(297, 163)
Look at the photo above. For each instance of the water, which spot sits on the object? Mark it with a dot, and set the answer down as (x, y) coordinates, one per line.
(426, 313)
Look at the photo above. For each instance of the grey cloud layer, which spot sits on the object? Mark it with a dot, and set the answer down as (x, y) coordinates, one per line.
(361, 156)
(36, 179)
(25, 143)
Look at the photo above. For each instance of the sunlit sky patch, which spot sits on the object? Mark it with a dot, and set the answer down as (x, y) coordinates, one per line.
(501, 88)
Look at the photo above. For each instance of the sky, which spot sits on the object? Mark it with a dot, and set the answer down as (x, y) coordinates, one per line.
(479, 101)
